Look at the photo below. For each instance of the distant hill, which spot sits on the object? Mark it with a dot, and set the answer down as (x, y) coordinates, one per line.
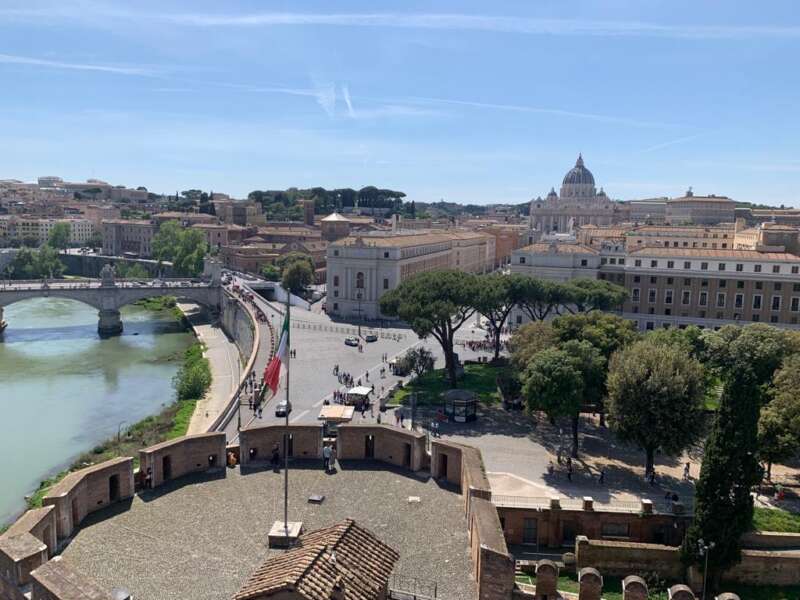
(285, 204)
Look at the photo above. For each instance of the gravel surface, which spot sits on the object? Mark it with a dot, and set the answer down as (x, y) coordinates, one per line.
(201, 537)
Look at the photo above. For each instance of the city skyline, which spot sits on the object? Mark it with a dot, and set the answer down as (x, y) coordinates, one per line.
(447, 102)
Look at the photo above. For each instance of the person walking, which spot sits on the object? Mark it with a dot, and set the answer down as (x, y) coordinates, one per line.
(326, 458)
(687, 471)
(569, 471)
(602, 478)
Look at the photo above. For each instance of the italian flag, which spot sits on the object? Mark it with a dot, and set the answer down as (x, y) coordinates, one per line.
(272, 374)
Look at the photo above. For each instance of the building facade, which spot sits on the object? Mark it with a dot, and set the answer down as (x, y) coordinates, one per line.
(122, 237)
(700, 210)
(361, 269)
(578, 203)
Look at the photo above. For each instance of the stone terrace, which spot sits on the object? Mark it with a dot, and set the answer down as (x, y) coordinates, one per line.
(201, 537)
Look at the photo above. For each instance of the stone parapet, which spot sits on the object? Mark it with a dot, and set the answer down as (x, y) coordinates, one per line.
(181, 456)
(393, 445)
(256, 443)
(93, 488)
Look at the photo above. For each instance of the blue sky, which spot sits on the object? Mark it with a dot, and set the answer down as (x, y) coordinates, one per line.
(477, 102)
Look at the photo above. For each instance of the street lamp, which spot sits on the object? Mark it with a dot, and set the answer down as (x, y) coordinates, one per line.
(121, 423)
(705, 550)
(358, 297)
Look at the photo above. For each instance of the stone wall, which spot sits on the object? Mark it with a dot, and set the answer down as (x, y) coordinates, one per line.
(256, 443)
(56, 580)
(238, 324)
(771, 540)
(39, 522)
(446, 461)
(19, 555)
(392, 445)
(181, 456)
(494, 566)
(89, 265)
(83, 492)
(765, 567)
(623, 558)
(8, 591)
(551, 524)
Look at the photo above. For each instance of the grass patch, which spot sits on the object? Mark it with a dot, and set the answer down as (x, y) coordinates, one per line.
(479, 378)
(713, 394)
(190, 383)
(776, 519)
(767, 592)
(161, 304)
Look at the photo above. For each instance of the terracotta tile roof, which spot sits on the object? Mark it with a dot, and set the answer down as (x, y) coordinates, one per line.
(559, 248)
(344, 554)
(710, 253)
(396, 241)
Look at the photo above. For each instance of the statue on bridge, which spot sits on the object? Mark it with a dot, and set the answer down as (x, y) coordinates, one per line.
(107, 276)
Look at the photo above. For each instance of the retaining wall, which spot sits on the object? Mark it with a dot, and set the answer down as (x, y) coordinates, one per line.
(623, 558)
(771, 540)
(494, 566)
(181, 456)
(83, 492)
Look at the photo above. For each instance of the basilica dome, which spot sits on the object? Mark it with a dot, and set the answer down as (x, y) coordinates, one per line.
(579, 174)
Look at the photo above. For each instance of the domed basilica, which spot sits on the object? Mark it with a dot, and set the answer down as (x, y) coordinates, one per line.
(579, 203)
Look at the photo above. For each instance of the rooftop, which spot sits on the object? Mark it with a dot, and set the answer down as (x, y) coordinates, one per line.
(706, 253)
(559, 248)
(227, 519)
(343, 553)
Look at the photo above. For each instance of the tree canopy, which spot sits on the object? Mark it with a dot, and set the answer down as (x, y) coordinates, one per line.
(35, 264)
(434, 304)
(655, 398)
(496, 296)
(297, 276)
(59, 236)
(184, 248)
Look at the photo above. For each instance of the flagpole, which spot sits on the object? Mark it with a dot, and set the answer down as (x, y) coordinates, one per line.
(286, 433)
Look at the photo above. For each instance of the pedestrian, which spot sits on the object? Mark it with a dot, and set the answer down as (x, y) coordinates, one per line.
(260, 412)
(569, 471)
(652, 478)
(402, 419)
(276, 454)
(558, 455)
(397, 417)
(569, 462)
(602, 479)
(326, 458)
(379, 418)
(687, 471)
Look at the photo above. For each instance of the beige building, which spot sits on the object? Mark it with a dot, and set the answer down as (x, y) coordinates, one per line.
(700, 210)
(18, 227)
(578, 203)
(679, 286)
(239, 212)
(186, 219)
(361, 269)
(128, 237)
(713, 237)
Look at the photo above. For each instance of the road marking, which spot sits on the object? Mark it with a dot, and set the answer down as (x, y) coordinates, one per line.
(299, 416)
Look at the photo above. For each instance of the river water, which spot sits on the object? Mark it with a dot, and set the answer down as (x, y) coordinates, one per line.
(63, 389)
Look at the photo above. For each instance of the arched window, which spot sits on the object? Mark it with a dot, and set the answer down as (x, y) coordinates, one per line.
(360, 280)
(335, 280)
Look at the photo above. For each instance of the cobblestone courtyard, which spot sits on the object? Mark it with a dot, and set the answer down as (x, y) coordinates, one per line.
(201, 537)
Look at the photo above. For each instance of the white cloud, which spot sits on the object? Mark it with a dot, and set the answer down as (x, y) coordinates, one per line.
(54, 64)
(502, 24)
(682, 140)
(325, 94)
(346, 93)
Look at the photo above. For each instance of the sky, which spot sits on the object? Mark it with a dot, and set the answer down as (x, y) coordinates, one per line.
(471, 102)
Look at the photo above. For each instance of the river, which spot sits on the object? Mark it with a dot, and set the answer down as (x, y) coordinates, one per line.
(63, 389)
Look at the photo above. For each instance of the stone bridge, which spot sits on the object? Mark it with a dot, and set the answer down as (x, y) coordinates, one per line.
(108, 295)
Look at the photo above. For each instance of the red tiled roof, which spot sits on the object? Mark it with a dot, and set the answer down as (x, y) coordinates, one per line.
(344, 554)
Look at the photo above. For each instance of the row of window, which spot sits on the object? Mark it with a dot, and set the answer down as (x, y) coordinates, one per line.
(670, 264)
(755, 318)
(359, 283)
(738, 299)
(723, 283)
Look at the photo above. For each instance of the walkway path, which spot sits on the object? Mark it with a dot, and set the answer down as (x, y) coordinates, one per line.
(224, 360)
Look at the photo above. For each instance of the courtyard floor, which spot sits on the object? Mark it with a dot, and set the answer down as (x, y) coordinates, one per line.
(201, 537)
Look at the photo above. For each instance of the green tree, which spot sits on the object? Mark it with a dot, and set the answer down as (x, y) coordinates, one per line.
(779, 422)
(553, 382)
(283, 261)
(497, 295)
(184, 248)
(297, 277)
(746, 359)
(539, 297)
(655, 398)
(608, 333)
(47, 264)
(434, 303)
(530, 339)
(271, 273)
(130, 271)
(420, 360)
(59, 235)
(593, 294)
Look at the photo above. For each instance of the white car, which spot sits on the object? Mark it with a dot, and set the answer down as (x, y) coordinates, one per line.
(351, 341)
(283, 408)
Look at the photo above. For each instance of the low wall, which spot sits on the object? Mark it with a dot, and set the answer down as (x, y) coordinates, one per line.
(620, 559)
(770, 540)
(594, 524)
(181, 456)
(765, 567)
(89, 265)
(256, 443)
(56, 580)
(19, 555)
(494, 566)
(463, 466)
(446, 461)
(39, 522)
(83, 492)
(393, 445)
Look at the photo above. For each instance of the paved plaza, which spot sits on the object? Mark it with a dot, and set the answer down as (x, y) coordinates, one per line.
(202, 537)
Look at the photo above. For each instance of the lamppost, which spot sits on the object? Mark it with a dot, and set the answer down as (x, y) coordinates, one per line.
(121, 423)
(705, 550)
(358, 297)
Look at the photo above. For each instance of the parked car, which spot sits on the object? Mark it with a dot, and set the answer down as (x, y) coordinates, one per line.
(351, 341)
(371, 337)
(283, 408)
